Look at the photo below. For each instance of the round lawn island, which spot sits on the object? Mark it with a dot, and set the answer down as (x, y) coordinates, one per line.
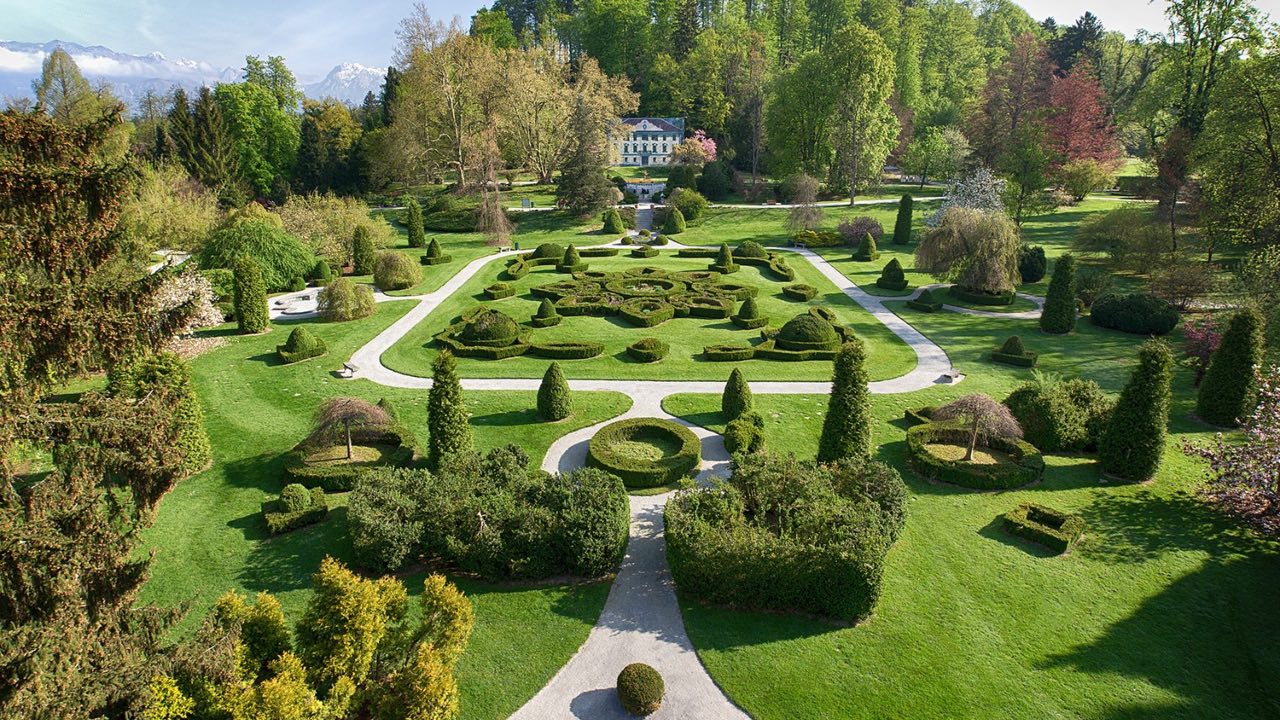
(645, 452)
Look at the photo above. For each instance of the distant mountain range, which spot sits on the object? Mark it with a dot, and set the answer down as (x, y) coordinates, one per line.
(131, 76)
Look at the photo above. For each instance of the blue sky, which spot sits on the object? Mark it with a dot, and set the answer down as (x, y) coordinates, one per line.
(315, 35)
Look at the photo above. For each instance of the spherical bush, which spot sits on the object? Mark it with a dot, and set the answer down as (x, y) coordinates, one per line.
(395, 271)
(549, 250)
(804, 332)
(295, 498)
(640, 689)
(750, 249)
(489, 328)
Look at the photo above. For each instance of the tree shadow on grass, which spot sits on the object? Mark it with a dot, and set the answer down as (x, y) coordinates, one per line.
(286, 562)
(709, 420)
(1138, 526)
(270, 359)
(994, 530)
(508, 418)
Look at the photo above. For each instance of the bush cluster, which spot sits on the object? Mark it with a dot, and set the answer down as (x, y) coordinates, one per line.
(301, 345)
(344, 300)
(689, 203)
(492, 515)
(640, 689)
(648, 350)
(786, 535)
(603, 451)
(1054, 529)
(817, 239)
(395, 271)
(297, 507)
(1060, 415)
(1136, 313)
(744, 433)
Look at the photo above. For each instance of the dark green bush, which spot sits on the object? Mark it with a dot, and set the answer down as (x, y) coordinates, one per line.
(644, 251)
(728, 352)
(1026, 467)
(724, 263)
(716, 180)
(902, 226)
(362, 251)
(688, 202)
(648, 350)
(744, 433)
(280, 257)
(499, 290)
(554, 401)
(675, 223)
(571, 262)
(1059, 314)
(1054, 529)
(807, 332)
(297, 284)
(434, 255)
(165, 374)
(892, 277)
(297, 507)
(1012, 352)
(1133, 442)
(978, 297)
(736, 398)
(344, 300)
(598, 252)
(748, 316)
(1227, 389)
(546, 315)
(749, 249)
(1136, 313)
(301, 345)
(926, 301)
(602, 451)
(643, 312)
(412, 219)
(640, 689)
(548, 251)
(613, 222)
(322, 274)
(1060, 415)
(660, 240)
(867, 250)
(250, 297)
(846, 428)
(697, 252)
(800, 291)
(566, 350)
(1032, 264)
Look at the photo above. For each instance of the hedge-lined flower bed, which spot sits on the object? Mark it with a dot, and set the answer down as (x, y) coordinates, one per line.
(484, 333)
(1054, 529)
(646, 313)
(1026, 467)
(648, 350)
(603, 451)
(395, 443)
(730, 352)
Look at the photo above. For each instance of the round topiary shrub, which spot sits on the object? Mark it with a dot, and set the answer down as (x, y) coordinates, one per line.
(867, 250)
(489, 329)
(800, 291)
(322, 274)
(395, 271)
(892, 277)
(749, 316)
(297, 284)
(301, 345)
(744, 433)
(640, 689)
(548, 251)
(344, 300)
(750, 249)
(1013, 346)
(295, 497)
(645, 452)
(648, 350)
(499, 290)
(807, 332)
(1032, 264)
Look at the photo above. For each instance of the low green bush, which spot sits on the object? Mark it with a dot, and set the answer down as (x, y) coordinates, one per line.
(640, 689)
(750, 249)
(571, 261)
(546, 315)
(926, 301)
(434, 255)
(301, 345)
(1058, 415)
(644, 251)
(297, 507)
(744, 433)
(322, 274)
(975, 297)
(730, 352)
(1026, 467)
(892, 277)
(297, 284)
(613, 222)
(606, 450)
(1136, 313)
(697, 252)
(1012, 352)
(918, 416)
(800, 291)
(817, 239)
(566, 350)
(1032, 264)
(1054, 529)
(598, 252)
(344, 300)
(749, 317)
(867, 250)
(648, 350)
(498, 291)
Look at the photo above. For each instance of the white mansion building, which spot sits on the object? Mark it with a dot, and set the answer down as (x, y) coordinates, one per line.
(649, 141)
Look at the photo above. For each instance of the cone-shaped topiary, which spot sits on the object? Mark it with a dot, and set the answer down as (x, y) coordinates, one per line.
(902, 227)
(892, 277)
(867, 251)
(749, 310)
(846, 430)
(322, 274)
(736, 398)
(547, 310)
(1013, 346)
(433, 249)
(554, 402)
(362, 254)
(613, 224)
(724, 260)
(447, 417)
(675, 222)
(250, 296)
(1059, 314)
(302, 344)
(1227, 387)
(413, 222)
(640, 689)
(1134, 438)
(571, 261)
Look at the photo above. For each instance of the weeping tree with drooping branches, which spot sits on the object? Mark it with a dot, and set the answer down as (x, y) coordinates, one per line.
(984, 418)
(343, 413)
(976, 249)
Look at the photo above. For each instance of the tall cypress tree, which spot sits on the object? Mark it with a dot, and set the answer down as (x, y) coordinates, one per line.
(1133, 441)
(554, 402)
(413, 222)
(736, 399)
(447, 418)
(846, 430)
(1227, 387)
(362, 254)
(1059, 314)
(902, 227)
(250, 296)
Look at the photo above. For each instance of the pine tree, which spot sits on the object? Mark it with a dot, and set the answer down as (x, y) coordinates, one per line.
(215, 159)
(250, 296)
(447, 416)
(1059, 314)
(846, 430)
(554, 402)
(413, 222)
(736, 399)
(902, 227)
(362, 253)
(1226, 391)
(1133, 441)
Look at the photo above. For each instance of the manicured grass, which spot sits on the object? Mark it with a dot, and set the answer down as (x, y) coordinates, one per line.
(768, 226)
(890, 357)
(1161, 611)
(209, 536)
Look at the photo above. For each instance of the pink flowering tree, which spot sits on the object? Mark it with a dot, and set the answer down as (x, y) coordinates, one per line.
(1200, 338)
(1245, 476)
(696, 150)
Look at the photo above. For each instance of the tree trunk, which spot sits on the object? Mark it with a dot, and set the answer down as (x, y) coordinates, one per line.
(347, 425)
(973, 441)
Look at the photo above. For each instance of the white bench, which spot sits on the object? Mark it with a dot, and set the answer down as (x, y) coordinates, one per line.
(348, 370)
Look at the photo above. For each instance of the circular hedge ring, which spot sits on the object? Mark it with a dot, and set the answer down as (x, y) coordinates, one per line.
(645, 452)
(643, 312)
(648, 350)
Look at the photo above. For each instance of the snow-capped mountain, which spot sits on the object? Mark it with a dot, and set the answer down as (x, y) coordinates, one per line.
(348, 82)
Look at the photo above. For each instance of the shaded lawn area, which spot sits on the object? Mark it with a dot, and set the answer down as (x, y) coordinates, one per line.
(890, 357)
(209, 536)
(1162, 611)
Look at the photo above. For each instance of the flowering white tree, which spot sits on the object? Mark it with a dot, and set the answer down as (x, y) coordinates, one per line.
(981, 190)
(189, 286)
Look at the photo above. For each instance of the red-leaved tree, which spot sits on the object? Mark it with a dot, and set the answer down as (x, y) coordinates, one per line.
(1079, 127)
(1017, 93)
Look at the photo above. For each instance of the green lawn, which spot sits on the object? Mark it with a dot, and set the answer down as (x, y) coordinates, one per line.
(890, 357)
(1161, 612)
(209, 536)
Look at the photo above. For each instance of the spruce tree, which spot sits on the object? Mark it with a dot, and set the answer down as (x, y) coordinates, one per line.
(554, 402)
(583, 187)
(1059, 314)
(736, 399)
(362, 254)
(902, 227)
(447, 418)
(413, 222)
(1226, 390)
(846, 430)
(250, 296)
(1133, 440)
(675, 222)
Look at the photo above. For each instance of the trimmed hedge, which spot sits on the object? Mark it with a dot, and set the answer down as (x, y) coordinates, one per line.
(745, 433)
(1136, 313)
(398, 451)
(1227, 389)
(643, 312)
(902, 225)
(1013, 353)
(1058, 316)
(689, 252)
(644, 251)
(434, 255)
(807, 331)
(566, 350)
(728, 352)
(800, 291)
(598, 252)
(919, 416)
(981, 298)
(640, 689)
(498, 291)
(301, 345)
(648, 350)
(546, 316)
(395, 271)
(484, 333)
(637, 474)
(554, 401)
(1027, 465)
(750, 249)
(926, 301)
(1051, 528)
(1133, 442)
(892, 277)
(749, 317)
(297, 507)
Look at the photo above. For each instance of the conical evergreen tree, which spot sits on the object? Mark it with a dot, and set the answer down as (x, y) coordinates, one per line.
(736, 399)
(613, 224)
(433, 249)
(215, 159)
(571, 257)
(447, 418)
(583, 186)
(554, 402)
(867, 251)
(1059, 314)
(675, 223)
(413, 223)
(749, 309)
(846, 430)
(546, 309)
(362, 253)
(1133, 441)
(1226, 391)
(249, 296)
(902, 227)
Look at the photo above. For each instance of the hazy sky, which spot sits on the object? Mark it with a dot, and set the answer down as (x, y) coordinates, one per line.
(315, 35)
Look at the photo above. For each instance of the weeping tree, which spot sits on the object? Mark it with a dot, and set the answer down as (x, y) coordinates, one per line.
(976, 249)
(340, 414)
(983, 417)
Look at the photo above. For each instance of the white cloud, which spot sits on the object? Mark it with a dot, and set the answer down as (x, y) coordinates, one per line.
(20, 62)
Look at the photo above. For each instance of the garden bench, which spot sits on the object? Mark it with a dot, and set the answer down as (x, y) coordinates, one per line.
(348, 370)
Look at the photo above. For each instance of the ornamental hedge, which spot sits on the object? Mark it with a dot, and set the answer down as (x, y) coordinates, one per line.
(750, 249)
(485, 333)
(1136, 313)
(603, 451)
(800, 291)
(571, 261)
(396, 443)
(1133, 442)
(902, 225)
(744, 433)
(648, 350)
(978, 297)
(867, 250)
(846, 427)
(301, 345)
(674, 223)
(297, 507)
(646, 313)
(554, 401)
(250, 296)
(736, 398)
(1040, 524)
(499, 290)
(1027, 464)
(749, 317)
(1013, 353)
(785, 535)
(493, 515)
(695, 252)
(644, 251)
(729, 352)
(1032, 264)
(926, 301)
(613, 222)
(724, 263)
(640, 689)
(892, 277)
(546, 315)
(598, 252)
(566, 350)
(434, 255)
